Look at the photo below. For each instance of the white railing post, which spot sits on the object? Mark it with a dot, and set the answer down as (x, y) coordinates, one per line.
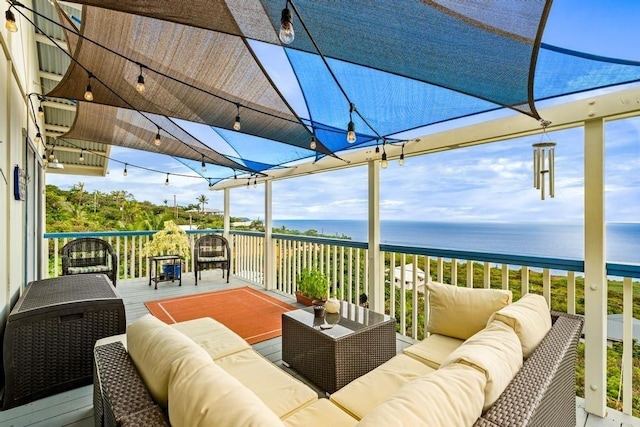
(627, 346)
(595, 279)
(269, 244)
(376, 284)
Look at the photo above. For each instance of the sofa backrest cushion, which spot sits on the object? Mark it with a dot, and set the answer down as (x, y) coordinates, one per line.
(461, 312)
(496, 352)
(530, 319)
(153, 346)
(203, 394)
(450, 396)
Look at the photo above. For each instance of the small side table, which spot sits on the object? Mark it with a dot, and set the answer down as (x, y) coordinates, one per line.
(154, 261)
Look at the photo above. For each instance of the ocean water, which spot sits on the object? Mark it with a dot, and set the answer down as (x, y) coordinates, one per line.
(555, 240)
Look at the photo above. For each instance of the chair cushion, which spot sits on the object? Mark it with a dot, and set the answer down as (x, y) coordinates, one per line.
(89, 269)
(212, 258)
(450, 396)
(321, 413)
(433, 349)
(461, 312)
(153, 346)
(496, 352)
(530, 319)
(363, 394)
(203, 394)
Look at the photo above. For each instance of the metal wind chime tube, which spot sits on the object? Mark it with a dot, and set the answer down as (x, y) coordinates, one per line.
(543, 164)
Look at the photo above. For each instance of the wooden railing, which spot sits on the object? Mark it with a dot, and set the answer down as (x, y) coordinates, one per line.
(345, 263)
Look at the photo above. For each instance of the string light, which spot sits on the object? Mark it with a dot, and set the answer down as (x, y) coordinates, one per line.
(38, 137)
(81, 158)
(255, 182)
(401, 159)
(140, 85)
(203, 166)
(351, 127)
(286, 34)
(312, 143)
(166, 181)
(248, 182)
(52, 155)
(236, 124)
(377, 151)
(88, 94)
(124, 172)
(40, 111)
(384, 163)
(234, 174)
(157, 141)
(10, 23)
(210, 185)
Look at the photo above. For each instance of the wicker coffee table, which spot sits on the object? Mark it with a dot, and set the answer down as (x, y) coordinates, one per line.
(359, 341)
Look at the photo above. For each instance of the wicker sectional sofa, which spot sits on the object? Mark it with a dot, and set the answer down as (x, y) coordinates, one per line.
(201, 373)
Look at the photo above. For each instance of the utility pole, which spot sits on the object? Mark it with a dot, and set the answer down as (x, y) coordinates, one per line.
(175, 207)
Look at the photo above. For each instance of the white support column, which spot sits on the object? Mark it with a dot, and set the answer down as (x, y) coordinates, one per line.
(595, 277)
(227, 213)
(269, 244)
(376, 284)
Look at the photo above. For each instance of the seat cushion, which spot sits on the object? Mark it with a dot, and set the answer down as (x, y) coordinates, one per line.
(496, 352)
(203, 394)
(433, 349)
(212, 258)
(321, 413)
(282, 393)
(153, 347)
(450, 396)
(89, 269)
(214, 337)
(461, 312)
(530, 319)
(364, 393)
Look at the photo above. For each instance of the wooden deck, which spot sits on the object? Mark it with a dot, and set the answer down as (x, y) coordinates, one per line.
(75, 407)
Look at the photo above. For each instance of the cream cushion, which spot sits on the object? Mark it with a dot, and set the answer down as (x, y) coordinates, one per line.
(450, 396)
(214, 337)
(364, 393)
(281, 393)
(530, 319)
(494, 351)
(321, 413)
(433, 349)
(461, 312)
(203, 394)
(153, 346)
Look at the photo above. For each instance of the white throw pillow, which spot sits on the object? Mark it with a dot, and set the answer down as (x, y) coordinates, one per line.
(494, 351)
(153, 346)
(203, 394)
(461, 312)
(530, 319)
(450, 396)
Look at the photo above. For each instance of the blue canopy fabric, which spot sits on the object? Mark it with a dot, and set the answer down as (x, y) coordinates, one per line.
(403, 65)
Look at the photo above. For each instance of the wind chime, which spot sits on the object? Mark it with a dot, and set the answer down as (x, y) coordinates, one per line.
(543, 165)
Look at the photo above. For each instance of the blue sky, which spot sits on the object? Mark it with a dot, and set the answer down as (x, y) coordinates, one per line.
(486, 183)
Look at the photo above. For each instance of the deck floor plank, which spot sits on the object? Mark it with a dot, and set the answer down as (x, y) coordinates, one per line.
(73, 408)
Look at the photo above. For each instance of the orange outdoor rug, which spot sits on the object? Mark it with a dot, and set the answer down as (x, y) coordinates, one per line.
(249, 313)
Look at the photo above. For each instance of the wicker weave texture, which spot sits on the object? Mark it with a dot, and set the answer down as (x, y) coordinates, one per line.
(119, 392)
(333, 363)
(49, 349)
(88, 252)
(211, 246)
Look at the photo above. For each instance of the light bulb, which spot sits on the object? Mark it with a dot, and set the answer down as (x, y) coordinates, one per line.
(166, 181)
(124, 172)
(10, 23)
(52, 155)
(140, 85)
(157, 140)
(287, 35)
(236, 124)
(204, 166)
(88, 94)
(351, 133)
(38, 137)
(377, 152)
(312, 143)
(384, 163)
(40, 111)
(210, 186)
(401, 160)
(255, 183)
(81, 159)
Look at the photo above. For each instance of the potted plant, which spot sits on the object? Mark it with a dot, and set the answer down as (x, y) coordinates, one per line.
(171, 240)
(313, 287)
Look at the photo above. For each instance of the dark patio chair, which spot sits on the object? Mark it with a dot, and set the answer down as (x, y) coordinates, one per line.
(89, 255)
(210, 252)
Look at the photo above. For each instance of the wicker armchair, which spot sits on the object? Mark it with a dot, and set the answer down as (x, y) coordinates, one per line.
(89, 255)
(211, 251)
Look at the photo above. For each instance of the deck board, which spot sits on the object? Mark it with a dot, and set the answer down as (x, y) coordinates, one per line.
(74, 408)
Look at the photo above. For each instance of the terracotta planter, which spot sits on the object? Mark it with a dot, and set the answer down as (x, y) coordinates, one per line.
(303, 299)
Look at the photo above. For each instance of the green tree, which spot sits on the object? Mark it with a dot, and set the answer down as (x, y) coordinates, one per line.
(202, 200)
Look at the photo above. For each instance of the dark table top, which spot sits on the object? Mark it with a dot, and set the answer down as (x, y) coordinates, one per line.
(349, 320)
(65, 289)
